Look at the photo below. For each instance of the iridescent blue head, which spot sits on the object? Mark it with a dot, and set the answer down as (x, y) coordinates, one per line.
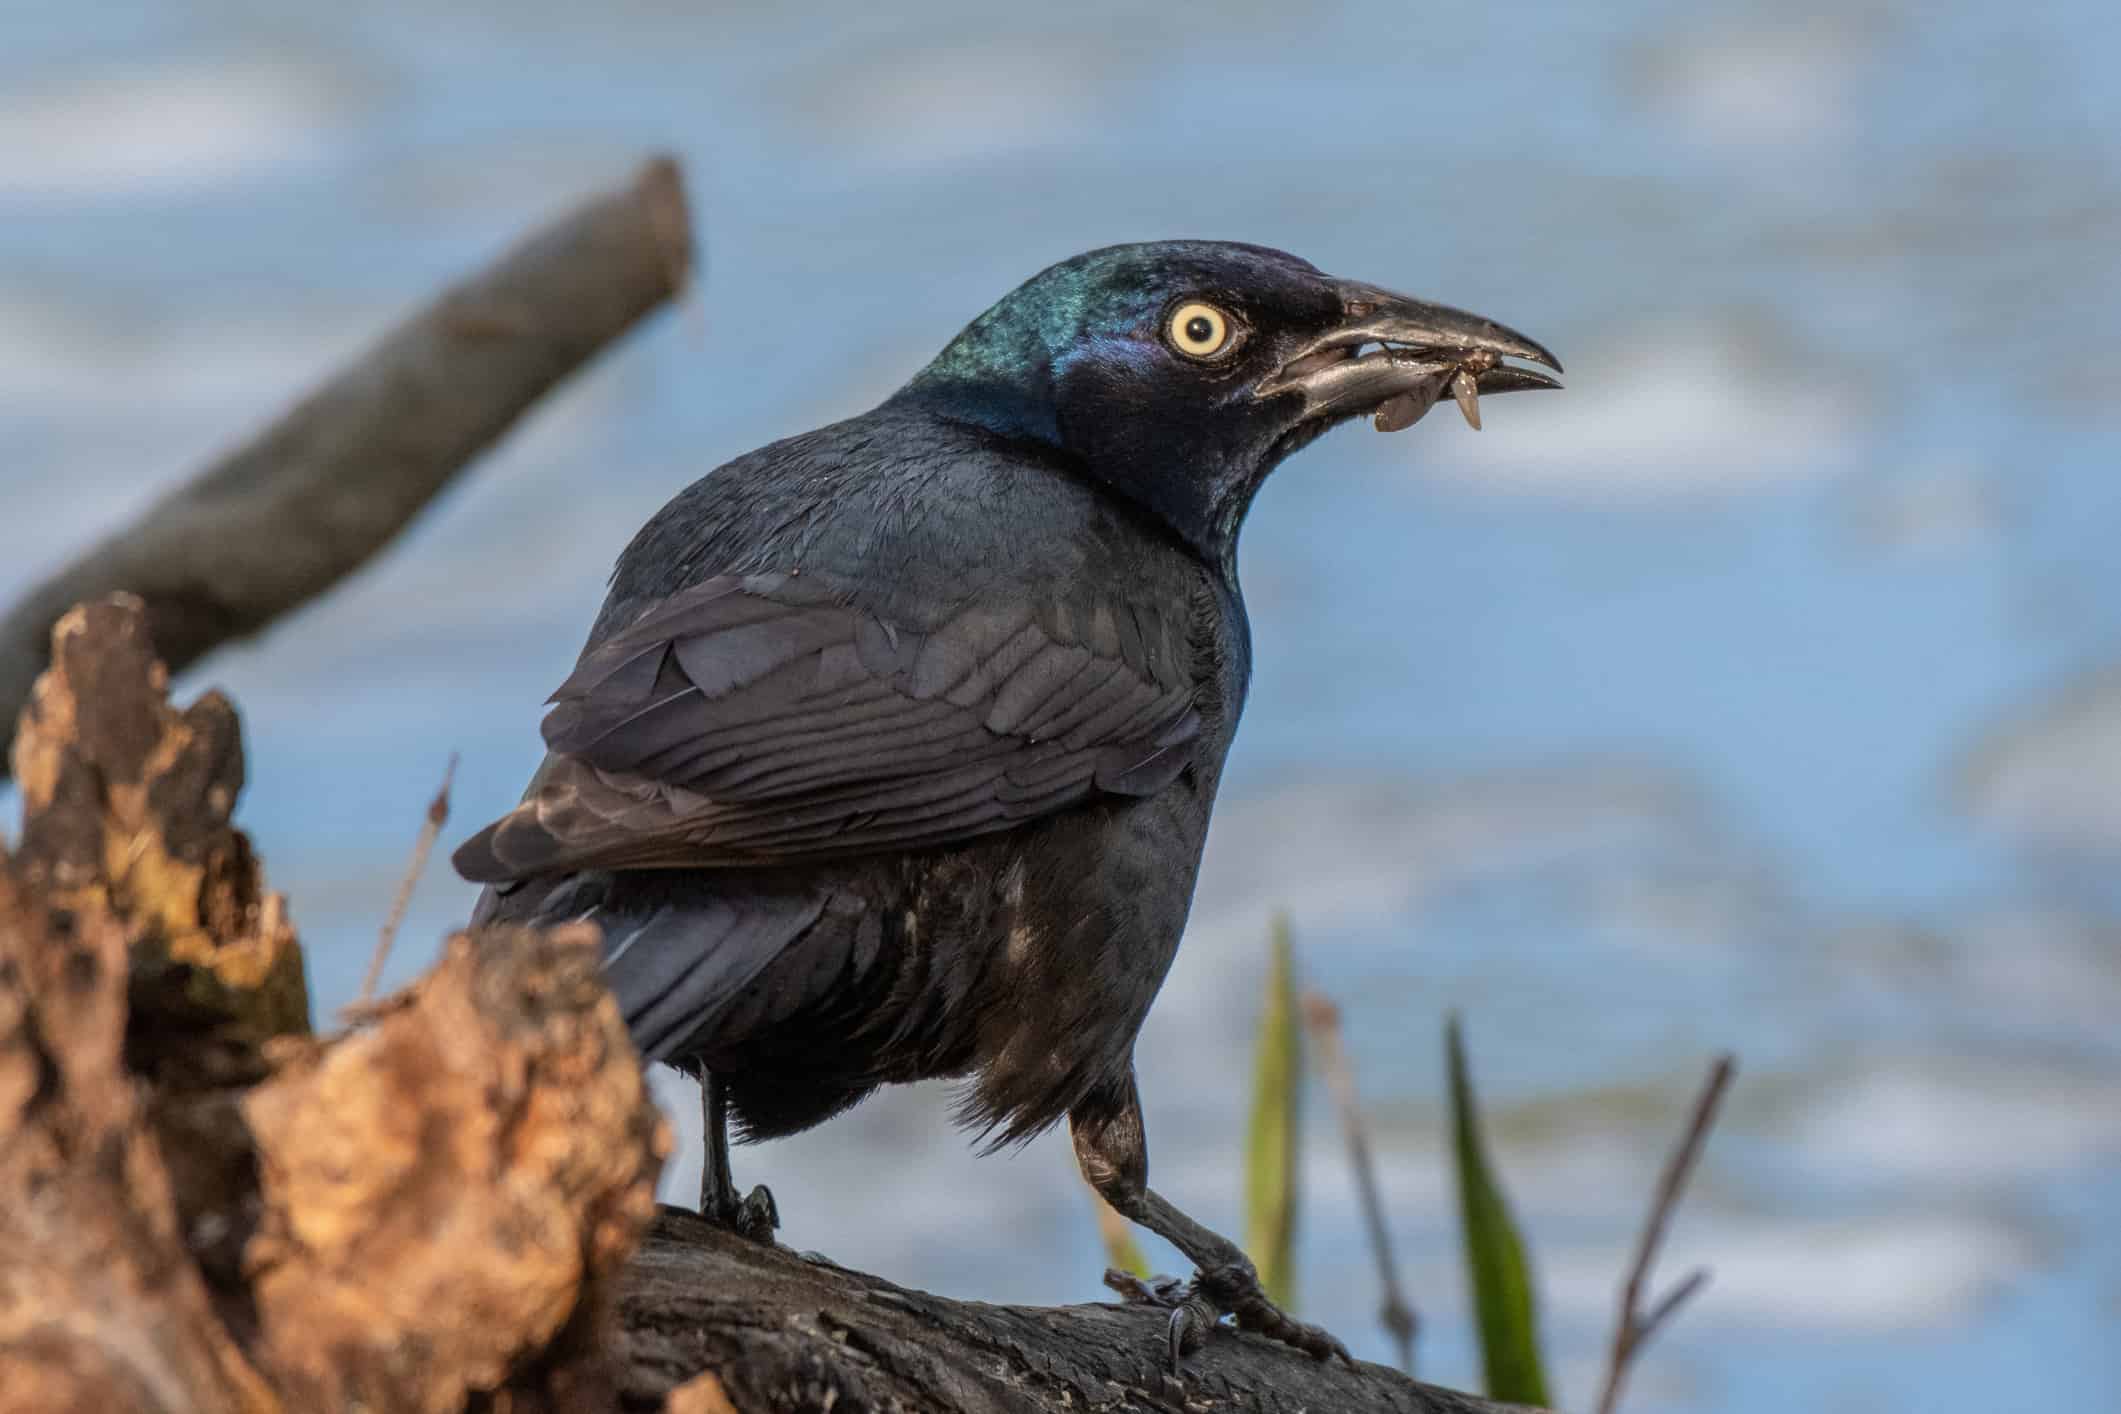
(1180, 373)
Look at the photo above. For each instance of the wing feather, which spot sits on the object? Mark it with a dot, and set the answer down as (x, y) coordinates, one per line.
(764, 719)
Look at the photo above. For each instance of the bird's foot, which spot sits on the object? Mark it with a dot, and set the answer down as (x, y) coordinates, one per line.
(1192, 1315)
(754, 1216)
(1197, 1306)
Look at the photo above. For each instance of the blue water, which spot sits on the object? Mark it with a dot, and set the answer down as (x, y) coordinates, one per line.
(1759, 692)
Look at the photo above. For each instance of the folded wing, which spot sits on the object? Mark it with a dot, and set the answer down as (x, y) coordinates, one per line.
(764, 719)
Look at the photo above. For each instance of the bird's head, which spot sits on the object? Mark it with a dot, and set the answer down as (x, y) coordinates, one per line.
(1180, 373)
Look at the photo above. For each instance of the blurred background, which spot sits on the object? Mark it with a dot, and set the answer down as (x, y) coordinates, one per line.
(1762, 691)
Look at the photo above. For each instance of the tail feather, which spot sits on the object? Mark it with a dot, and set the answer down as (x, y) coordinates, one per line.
(677, 970)
(678, 953)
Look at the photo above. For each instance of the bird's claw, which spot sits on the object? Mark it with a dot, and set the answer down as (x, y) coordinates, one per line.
(1197, 1306)
(758, 1215)
(1192, 1315)
(754, 1216)
(1150, 1291)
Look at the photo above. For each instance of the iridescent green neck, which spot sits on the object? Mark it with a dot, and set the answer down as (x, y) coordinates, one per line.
(999, 372)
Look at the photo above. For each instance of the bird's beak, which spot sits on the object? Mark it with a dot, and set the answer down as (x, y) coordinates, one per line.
(1395, 357)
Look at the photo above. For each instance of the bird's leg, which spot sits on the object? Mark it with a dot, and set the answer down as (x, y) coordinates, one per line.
(717, 1183)
(754, 1216)
(1114, 1156)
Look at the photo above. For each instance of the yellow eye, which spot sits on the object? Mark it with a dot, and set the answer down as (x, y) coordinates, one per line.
(1198, 330)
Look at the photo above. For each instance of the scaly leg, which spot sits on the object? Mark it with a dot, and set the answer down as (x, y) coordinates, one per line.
(1114, 1156)
(755, 1216)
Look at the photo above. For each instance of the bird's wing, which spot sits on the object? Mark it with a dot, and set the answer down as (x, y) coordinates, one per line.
(763, 719)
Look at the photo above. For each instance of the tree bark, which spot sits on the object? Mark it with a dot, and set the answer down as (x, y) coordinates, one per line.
(782, 1333)
(310, 499)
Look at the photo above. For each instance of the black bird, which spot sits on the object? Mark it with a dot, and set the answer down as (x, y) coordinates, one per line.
(892, 751)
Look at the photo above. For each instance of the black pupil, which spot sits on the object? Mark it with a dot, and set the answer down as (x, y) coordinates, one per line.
(1199, 329)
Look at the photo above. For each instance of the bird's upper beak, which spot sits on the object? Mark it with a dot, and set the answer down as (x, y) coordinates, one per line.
(1421, 352)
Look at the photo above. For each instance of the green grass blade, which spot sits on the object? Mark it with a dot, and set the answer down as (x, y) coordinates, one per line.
(1270, 1146)
(1497, 1269)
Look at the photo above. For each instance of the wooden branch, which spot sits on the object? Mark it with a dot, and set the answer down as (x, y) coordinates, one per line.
(307, 501)
(782, 1333)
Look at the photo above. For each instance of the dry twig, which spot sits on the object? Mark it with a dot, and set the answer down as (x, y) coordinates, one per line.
(1322, 1020)
(437, 817)
(1636, 1325)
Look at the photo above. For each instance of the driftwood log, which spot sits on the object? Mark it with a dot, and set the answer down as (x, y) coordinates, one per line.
(204, 1207)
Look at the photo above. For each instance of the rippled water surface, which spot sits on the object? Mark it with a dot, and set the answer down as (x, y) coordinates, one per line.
(1761, 691)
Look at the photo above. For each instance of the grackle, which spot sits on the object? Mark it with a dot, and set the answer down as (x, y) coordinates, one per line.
(892, 751)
